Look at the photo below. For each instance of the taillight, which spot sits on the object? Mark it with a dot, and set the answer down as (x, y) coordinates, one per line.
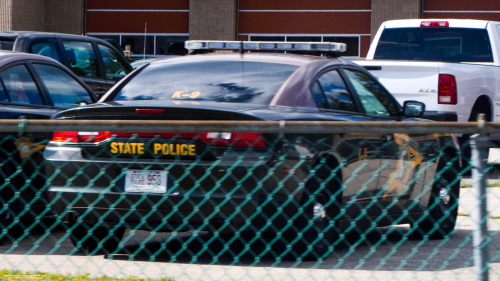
(447, 89)
(435, 24)
(234, 139)
(80, 136)
(65, 136)
(247, 140)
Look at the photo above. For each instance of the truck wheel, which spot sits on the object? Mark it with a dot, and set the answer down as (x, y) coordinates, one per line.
(465, 145)
(89, 244)
(315, 231)
(443, 206)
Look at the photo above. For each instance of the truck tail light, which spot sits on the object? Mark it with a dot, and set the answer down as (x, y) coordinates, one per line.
(435, 24)
(447, 89)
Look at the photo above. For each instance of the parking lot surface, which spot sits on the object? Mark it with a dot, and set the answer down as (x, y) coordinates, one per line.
(385, 254)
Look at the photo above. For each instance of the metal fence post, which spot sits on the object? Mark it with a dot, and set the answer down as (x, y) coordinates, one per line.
(479, 147)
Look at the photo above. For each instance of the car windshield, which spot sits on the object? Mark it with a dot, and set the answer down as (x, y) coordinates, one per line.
(435, 44)
(219, 81)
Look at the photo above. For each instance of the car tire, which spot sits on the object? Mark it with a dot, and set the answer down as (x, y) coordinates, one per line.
(440, 220)
(315, 231)
(89, 244)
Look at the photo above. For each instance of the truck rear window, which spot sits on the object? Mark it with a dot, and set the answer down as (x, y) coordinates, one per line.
(219, 81)
(435, 44)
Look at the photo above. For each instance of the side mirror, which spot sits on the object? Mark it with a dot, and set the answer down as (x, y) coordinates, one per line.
(413, 108)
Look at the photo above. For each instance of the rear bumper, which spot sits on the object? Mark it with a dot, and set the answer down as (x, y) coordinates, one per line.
(161, 212)
(437, 116)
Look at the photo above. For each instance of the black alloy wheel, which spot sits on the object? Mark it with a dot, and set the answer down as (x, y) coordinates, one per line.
(443, 206)
(89, 244)
(315, 231)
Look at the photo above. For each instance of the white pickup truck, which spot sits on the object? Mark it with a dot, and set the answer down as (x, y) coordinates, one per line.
(453, 66)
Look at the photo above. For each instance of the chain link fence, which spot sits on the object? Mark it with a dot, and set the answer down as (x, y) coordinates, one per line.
(223, 200)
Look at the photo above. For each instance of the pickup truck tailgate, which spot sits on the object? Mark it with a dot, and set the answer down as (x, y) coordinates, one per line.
(407, 80)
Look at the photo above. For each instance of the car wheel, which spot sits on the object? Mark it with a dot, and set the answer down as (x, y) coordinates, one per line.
(443, 206)
(315, 231)
(91, 244)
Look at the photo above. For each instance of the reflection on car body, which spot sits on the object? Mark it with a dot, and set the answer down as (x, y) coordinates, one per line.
(305, 187)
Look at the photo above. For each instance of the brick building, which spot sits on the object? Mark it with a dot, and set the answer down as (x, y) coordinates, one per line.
(158, 27)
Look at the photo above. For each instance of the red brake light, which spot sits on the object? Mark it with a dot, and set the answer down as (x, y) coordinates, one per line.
(80, 136)
(235, 139)
(65, 136)
(435, 24)
(247, 140)
(447, 89)
(149, 110)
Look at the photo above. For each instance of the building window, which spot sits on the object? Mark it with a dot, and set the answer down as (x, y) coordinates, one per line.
(171, 45)
(156, 44)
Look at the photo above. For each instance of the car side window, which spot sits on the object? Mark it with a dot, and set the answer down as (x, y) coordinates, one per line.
(374, 98)
(82, 58)
(64, 90)
(330, 92)
(115, 67)
(20, 86)
(45, 47)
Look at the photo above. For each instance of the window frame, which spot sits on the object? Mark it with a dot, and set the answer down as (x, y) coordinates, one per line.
(99, 67)
(101, 60)
(355, 98)
(92, 95)
(41, 90)
(353, 90)
(47, 39)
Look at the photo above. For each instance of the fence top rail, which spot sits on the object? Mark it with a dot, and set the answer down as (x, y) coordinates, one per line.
(23, 125)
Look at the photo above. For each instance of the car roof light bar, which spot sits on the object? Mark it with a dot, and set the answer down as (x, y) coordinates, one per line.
(265, 46)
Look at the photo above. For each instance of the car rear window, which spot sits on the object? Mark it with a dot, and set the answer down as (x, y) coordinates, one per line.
(435, 44)
(219, 81)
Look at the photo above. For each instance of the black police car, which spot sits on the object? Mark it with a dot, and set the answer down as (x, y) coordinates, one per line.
(31, 87)
(304, 187)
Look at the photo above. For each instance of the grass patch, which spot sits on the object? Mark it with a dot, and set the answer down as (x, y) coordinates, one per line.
(16, 275)
(488, 185)
(463, 215)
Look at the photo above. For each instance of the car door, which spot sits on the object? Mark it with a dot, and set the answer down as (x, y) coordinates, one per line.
(81, 59)
(401, 159)
(22, 97)
(359, 151)
(114, 66)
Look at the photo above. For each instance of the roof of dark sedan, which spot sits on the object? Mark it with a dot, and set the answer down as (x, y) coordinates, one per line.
(10, 56)
(255, 56)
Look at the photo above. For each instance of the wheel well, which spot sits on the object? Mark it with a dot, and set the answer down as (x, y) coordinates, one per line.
(482, 105)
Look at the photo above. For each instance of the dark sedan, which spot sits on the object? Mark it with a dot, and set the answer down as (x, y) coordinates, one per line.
(306, 188)
(31, 87)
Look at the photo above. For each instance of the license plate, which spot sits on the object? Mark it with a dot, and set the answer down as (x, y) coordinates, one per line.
(146, 181)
